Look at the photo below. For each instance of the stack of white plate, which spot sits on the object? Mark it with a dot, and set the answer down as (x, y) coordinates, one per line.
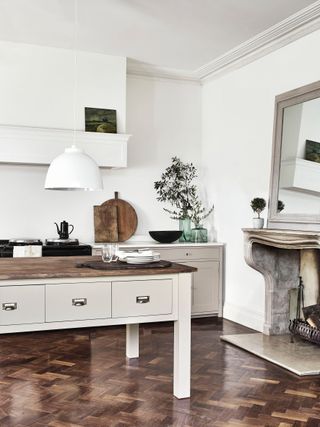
(139, 257)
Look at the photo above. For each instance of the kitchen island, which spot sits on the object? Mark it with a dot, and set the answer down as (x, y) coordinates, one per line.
(55, 293)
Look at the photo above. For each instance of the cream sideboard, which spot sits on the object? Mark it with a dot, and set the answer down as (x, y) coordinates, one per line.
(207, 282)
(53, 293)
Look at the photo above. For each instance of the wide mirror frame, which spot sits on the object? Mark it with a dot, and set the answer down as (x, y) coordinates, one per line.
(293, 221)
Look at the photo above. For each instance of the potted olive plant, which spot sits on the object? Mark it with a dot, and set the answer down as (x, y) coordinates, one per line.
(257, 205)
(176, 188)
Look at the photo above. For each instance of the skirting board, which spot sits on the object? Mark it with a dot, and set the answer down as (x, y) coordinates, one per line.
(279, 350)
(250, 318)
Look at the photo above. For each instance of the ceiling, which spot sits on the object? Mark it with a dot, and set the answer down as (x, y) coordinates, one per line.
(180, 34)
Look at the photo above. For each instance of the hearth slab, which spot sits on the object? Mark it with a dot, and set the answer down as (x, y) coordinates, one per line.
(301, 358)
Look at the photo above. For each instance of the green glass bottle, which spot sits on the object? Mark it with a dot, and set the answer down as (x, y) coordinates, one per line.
(185, 226)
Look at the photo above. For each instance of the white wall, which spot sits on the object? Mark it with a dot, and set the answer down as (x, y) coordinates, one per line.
(237, 118)
(164, 117)
(36, 86)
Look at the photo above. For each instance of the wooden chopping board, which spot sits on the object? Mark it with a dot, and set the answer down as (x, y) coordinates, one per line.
(114, 220)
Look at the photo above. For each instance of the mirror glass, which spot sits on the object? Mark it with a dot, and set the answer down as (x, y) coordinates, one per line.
(299, 175)
(295, 173)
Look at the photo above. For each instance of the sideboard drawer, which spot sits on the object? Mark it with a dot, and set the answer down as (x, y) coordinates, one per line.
(21, 304)
(141, 298)
(190, 253)
(78, 301)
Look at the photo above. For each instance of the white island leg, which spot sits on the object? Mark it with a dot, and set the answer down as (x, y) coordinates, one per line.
(132, 341)
(182, 340)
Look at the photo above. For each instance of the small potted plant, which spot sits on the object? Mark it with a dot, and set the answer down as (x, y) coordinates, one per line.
(257, 205)
(199, 234)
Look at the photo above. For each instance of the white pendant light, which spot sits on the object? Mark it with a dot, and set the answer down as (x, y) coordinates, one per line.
(74, 169)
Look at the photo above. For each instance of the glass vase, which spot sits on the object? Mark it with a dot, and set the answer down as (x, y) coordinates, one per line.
(199, 235)
(185, 226)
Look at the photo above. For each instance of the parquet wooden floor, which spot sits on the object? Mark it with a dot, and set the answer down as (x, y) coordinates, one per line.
(81, 378)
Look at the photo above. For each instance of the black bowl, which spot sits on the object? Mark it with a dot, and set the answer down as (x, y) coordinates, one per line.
(166, 236)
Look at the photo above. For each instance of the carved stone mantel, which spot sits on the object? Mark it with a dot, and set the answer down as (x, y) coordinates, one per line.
(276, 254)
(285, 239)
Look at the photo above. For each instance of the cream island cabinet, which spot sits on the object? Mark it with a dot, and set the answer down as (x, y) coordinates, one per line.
(207, 282)
(55, 293)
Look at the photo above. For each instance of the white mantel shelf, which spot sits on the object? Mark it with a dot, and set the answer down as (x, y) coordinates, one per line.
(300, 175)
(39, 146)
(285, 239)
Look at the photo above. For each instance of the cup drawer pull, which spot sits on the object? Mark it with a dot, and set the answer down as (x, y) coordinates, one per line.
(79, 302)
(143, 299)
(9, 306)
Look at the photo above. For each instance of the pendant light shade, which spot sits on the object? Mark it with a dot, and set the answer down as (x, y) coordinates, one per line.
(73, 170)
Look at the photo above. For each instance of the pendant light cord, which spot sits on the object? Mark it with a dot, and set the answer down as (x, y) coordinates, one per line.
(75, 70)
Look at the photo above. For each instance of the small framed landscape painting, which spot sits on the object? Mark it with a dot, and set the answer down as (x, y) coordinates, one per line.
(100, 120)
(312, 151)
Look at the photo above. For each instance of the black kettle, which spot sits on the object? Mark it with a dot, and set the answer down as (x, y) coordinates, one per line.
(63, 231)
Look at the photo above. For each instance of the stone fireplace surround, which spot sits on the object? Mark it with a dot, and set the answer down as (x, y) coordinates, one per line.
(281, 256)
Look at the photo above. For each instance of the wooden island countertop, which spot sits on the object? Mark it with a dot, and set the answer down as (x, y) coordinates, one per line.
(66, 267)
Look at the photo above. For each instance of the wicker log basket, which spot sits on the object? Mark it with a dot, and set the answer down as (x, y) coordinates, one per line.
(302, 328)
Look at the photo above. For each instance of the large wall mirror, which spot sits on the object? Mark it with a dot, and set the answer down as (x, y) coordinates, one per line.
(295, 172)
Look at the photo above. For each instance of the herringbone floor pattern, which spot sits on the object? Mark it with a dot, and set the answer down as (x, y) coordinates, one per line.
(81, 378)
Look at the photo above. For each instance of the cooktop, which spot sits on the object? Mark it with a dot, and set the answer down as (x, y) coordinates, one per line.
(52, 247)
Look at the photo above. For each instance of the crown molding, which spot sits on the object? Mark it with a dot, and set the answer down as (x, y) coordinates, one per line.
(142, 69)
(290, 29)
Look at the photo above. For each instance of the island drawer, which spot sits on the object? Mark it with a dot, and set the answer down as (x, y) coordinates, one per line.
(190, 253)
(21, 304)
(141, 298)
(78, 301)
